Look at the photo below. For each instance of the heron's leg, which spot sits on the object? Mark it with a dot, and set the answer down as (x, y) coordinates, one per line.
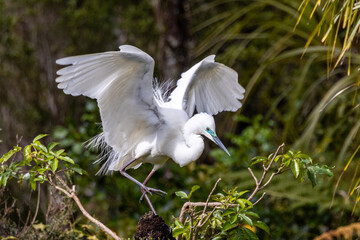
(145, 182)
(148, 177)
(150, 205)
(144, 189)
(142, 186)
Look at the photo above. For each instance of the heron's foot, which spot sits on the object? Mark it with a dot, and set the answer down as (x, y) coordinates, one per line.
(145, 190)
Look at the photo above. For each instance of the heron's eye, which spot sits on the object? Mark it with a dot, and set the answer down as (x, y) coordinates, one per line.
(207, 129)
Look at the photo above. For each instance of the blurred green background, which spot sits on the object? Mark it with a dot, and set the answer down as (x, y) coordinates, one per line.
(289, 98)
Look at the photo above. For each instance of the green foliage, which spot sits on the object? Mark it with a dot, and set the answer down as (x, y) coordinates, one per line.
(335, 15)
(256, 137)
(72, 136)
(39, 163)
(299, 163)
(233, 216)
(232, 219)
(183, 195)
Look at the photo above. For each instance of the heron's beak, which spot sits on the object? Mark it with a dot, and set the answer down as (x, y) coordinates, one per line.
(220, 144)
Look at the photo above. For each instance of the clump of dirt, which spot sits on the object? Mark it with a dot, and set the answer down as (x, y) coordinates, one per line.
(151, 226)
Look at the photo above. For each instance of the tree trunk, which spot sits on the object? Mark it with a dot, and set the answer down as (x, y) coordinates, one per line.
(172, 24)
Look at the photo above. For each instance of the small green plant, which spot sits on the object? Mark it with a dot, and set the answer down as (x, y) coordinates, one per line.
(231, 215)
(40, 164)
(299, 163)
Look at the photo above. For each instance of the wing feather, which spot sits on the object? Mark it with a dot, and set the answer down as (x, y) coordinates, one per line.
(209, 87)
(121, 81)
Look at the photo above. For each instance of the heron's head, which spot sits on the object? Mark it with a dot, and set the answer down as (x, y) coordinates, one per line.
(205, 125)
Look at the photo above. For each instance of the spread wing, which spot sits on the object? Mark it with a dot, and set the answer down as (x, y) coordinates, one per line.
(209, 87)
(121, 81)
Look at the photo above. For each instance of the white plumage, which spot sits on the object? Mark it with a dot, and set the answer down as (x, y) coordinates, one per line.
(138, 124)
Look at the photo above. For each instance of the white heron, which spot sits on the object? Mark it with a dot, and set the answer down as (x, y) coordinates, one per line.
(141, 121)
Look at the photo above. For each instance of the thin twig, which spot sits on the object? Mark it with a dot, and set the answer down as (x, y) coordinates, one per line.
(197, 228)
(271, 177)
(257, 201)
(259, 183)
(197, 204)
(208, 217)
(183, 210)
(336, 186)
(212, 191)
(49, 206)
(37, 205)
(8, 209)
(253, 175)
(200, 223)
(28, 216)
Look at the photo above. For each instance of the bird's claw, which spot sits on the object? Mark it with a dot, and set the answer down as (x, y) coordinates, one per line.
(146, 190)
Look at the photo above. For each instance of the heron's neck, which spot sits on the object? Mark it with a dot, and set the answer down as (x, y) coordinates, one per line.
(193, 146)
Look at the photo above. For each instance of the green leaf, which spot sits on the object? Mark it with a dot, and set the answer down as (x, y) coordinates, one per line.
(218, 214)
(218, 196)
(40, 147)
(228, 212)
(295, 168)
(38, 137)
(4, 177)
(312, 176)
(257, 160)
(252, 214)
(305, 157)
(52, 145)
(38, 169)
(66, 159)
(27, 150)
(8, 155)
(58, 153)
(78, 170)
(250, 234)
(246, 219)
(193, 189)
(213, 224)
(278, 157)
(178, 223)
(241, 203)
(247, 202)
(33, 184)
(234, 218)
(262, 226)
(177, 231)
(242, 193)
(322, 170)
(40, 178)
(218, 238)
(228, 226)
(54, 164)
(181, 194)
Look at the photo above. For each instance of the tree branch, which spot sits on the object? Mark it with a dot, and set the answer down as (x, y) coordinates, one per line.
(259, 183)
(70, 192)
